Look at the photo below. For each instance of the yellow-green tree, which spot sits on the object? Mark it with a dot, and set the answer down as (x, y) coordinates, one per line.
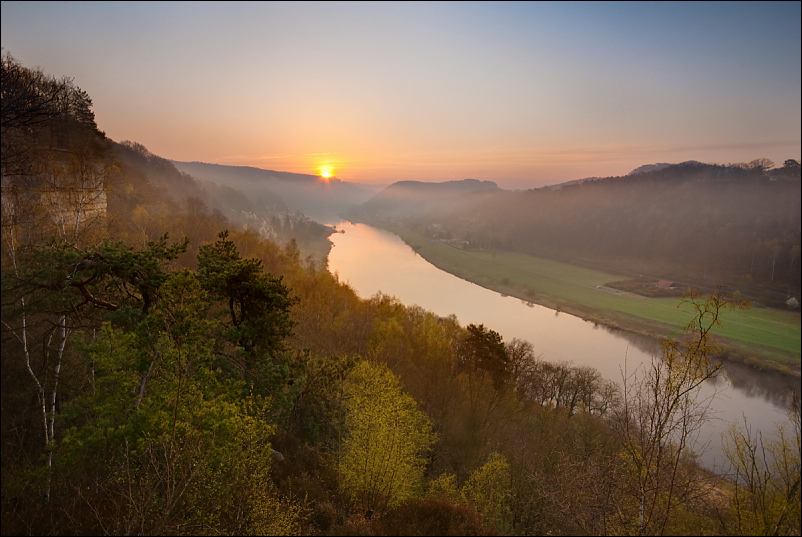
(386, 437)
(766, 475)
(488, 490)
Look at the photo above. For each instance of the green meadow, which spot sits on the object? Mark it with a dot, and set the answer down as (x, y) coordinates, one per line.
(761, 336)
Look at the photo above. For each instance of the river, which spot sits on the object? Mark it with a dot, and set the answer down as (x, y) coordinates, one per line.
(372, 260)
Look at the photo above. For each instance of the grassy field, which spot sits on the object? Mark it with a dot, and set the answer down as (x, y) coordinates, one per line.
(754, 335)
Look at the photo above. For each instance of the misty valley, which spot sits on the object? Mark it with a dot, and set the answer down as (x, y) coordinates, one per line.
(197, 348)
(396, 270)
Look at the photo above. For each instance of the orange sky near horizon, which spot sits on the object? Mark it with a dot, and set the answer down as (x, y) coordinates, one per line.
(510, 167)
(524, 93)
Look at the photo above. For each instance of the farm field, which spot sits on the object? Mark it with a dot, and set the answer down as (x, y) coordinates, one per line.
(757, 334)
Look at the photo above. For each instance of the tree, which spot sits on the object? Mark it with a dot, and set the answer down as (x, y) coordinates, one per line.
(54, 170)
(483, 349)
(484, 399)
(163, 443)
(760, 165)
(661, 415)
(488, 490)
(34, 317)
(766, 479)
(381, 458)
(30, 99)
(258, 304)
(59, 289)
(42, 117)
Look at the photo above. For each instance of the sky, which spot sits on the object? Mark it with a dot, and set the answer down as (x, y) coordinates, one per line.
(523, 94)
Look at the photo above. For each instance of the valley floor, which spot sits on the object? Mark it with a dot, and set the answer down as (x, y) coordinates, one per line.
(765, 338)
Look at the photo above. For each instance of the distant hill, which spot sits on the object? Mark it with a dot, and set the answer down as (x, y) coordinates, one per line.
(444, 187)
(320, 199)
(179, 185)
(407, 198)
(684, 222)
(646, 168)
(574, 182)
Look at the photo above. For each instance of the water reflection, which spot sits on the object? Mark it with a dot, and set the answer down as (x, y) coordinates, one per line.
(774, 387)
(646, 344)
(770, 386)
(373, 260)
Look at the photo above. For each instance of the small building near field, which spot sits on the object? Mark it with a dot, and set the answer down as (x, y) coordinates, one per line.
(665, 284)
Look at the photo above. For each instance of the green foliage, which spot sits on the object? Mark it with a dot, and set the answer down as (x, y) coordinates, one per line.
(255, 320)
(488, 490)
(258, 303)
(318, 409)
(60, 278)
(169, 441)
(385, 439)
(445, 485)
(484, 349)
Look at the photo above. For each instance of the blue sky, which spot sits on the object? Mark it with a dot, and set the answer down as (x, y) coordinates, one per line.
(524, 94)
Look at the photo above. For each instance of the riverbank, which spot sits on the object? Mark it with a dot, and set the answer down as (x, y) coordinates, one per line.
(763, 338)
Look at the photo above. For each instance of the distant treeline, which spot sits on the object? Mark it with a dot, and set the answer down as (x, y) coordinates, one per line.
(738, 223)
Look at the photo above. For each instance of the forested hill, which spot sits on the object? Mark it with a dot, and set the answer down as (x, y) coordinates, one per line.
(734, 223)
(150, 191)
(445, 187)
(180, 184)
(405, 198)
(315, 197)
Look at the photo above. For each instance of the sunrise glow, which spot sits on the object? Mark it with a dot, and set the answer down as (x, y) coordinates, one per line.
(424, 96)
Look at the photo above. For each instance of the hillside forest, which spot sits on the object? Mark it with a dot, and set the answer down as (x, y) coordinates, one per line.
(699, 224)
(174, 362)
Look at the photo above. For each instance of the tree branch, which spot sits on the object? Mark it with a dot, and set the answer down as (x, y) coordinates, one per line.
(81, 286)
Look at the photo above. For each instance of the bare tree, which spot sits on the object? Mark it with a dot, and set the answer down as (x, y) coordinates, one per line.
(661, 415)
(766, 479)
(761, 165)
(30, 99)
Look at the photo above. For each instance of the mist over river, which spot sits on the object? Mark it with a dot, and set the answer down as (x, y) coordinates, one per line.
(372, 260)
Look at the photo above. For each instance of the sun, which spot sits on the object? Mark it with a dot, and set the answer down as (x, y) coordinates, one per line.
(326, 172)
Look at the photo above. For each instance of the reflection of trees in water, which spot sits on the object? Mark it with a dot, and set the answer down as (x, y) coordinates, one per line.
(647, 344)
(775, 388)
